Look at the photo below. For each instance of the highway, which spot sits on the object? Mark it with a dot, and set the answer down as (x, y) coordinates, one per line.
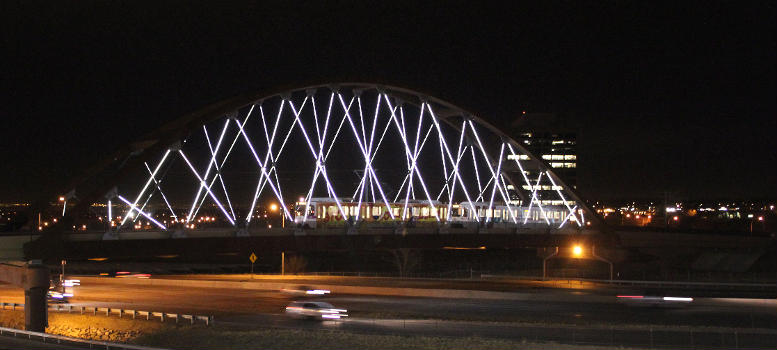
(573, 315)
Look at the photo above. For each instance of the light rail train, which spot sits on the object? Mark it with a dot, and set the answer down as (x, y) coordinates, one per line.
(325, 212)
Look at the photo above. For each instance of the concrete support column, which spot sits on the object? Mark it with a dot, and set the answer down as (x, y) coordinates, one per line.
(600, 258)
(33, 277)
(545, 264)
(35, 312)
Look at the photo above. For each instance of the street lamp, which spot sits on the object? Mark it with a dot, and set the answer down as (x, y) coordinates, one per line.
(577, 251)
(274, 207)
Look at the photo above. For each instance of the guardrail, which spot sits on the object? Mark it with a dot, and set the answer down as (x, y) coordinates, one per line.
(464, 274)
(12, 305)
(686, 284)
(61, 339)
(107, 311)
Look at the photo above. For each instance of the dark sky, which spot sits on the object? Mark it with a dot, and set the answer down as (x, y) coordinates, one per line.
(676, 97)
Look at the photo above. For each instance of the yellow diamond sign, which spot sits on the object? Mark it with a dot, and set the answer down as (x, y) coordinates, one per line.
(252, 258)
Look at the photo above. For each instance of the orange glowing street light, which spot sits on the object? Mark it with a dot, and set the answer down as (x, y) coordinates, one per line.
(577, 251)
(274, 207)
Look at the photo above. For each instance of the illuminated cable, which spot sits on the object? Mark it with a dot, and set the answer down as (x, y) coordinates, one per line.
(134, 204)
(133, 207)
(202, 182)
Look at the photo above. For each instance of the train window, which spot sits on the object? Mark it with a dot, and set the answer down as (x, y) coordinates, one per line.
(396, 211)
(376, 211)
(425, 211)
(416, 211)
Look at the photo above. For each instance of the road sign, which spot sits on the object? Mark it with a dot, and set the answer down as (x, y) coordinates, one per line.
(252, 258)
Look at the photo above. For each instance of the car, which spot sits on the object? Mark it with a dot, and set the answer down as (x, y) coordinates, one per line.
(61, 291)
(316, 310)
(125, 274)
(54, 296)
(641, 300)
(304, 291)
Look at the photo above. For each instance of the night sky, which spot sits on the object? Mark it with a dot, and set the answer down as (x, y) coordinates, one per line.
(677, 98)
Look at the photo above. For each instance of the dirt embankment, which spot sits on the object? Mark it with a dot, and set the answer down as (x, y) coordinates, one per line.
(88, 326)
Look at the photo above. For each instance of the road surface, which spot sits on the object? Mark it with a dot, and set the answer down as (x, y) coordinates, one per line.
(561, 315)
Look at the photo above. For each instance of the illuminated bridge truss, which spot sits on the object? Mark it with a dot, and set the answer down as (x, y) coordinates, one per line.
(388, 150)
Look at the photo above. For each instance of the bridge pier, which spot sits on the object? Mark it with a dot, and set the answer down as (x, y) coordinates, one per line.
(600, 258)
(545, 264)
(34, 278)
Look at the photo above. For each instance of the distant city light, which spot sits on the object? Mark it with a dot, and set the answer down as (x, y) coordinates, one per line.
(273, 207)
(760, 218)
(61, 198)
(676, 218)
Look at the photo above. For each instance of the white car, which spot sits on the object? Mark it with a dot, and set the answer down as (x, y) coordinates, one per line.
(304, 291)
(654, 301)
(315, 310)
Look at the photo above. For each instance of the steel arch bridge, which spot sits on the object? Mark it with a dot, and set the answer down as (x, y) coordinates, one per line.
(337, 158)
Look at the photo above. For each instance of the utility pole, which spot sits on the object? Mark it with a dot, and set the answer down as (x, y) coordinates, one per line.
(666, 214)
(62, 276)
(283, 263)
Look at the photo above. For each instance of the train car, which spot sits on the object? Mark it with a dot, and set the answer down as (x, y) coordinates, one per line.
(324, 212)
(499, 214)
